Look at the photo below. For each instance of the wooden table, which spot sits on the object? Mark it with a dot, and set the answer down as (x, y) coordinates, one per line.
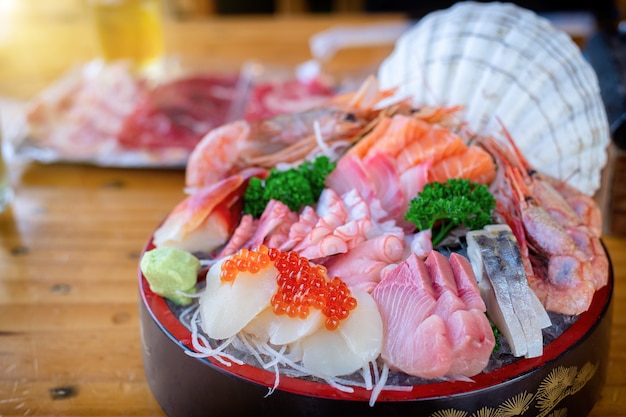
(69, 245)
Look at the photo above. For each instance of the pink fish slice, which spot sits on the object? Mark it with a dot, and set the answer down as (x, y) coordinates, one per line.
(415, 339)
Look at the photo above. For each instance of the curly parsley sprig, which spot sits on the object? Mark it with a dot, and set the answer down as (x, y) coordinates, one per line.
(443, 206)
(295, 187)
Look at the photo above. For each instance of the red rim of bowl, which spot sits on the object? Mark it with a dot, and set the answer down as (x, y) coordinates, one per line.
(179, 334)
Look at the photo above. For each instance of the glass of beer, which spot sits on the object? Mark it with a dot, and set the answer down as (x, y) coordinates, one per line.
(130, 29)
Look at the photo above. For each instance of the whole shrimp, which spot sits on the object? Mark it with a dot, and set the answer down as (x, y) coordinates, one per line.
(576, 212)
(288, 138)
(565, 261)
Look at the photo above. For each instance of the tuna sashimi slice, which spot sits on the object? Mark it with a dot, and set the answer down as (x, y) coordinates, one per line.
(468, 329)
(415, 340)
(430, 353)
(429, 330)
(472, 341)
(466, 283)
(440, 273)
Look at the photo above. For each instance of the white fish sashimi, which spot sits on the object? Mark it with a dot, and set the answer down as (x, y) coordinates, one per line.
(282, 329)
(227, 307)
(356, 342)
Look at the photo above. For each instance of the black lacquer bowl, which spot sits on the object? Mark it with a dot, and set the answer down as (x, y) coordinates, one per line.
(565, 381)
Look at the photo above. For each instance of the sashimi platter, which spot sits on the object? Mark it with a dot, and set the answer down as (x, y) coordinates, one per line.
(427, 244)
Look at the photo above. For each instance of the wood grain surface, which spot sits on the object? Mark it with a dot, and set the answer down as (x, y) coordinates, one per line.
(70, 242)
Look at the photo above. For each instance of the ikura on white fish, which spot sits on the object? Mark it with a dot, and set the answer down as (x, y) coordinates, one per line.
(281, 298)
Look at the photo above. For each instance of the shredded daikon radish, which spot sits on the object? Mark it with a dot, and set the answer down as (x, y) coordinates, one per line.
(276, 381)
(379, 385)
(250, 348)
(366, 373)
(278, 359)
(203, 347)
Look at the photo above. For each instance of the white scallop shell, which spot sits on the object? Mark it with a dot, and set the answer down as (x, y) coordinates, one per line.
(508, 67)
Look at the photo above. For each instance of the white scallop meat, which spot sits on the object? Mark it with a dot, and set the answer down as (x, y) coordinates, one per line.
(508, 67)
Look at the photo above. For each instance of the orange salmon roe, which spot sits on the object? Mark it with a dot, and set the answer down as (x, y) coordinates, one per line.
(245, 260)
(301, 285)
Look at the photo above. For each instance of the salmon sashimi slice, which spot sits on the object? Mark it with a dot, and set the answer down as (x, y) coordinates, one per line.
(402, 131)
(410, 141)
(367, 142)
(474, 164)
(434, 144)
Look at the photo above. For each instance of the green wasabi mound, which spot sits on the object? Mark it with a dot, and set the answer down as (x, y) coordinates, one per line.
(169, 270)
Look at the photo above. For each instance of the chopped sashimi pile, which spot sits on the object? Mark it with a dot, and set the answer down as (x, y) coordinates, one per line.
(399, 177)
(270, 98)
(107, 113)
(179, 113)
